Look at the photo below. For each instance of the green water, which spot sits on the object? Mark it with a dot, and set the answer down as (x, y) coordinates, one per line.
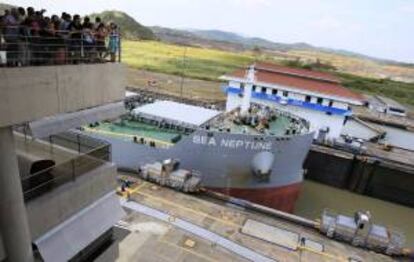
(315, 197)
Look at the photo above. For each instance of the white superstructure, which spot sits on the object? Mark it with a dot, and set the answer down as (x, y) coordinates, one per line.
(315, 96)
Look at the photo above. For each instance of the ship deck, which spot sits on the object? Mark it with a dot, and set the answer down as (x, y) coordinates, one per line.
(277, 127)
(165, 225)
(151, 130)
(130, 129)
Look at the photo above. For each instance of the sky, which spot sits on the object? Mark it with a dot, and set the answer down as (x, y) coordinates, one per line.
(379, 28)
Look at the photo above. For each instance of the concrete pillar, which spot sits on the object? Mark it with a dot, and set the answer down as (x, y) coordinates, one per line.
(14, 226)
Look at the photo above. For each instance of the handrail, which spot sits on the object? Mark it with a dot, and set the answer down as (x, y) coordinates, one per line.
(88, 154)
(45, 180)
(57, 47)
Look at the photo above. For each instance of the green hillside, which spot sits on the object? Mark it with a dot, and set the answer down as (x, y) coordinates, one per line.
(209, 64)
(130, 28)
(193, 62)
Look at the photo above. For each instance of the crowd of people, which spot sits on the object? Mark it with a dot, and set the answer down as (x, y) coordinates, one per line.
(29, 37)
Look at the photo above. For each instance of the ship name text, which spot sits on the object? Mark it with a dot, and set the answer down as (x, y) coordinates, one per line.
(232, 143)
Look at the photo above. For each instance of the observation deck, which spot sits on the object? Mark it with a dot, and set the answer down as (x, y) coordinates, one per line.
(55, 184)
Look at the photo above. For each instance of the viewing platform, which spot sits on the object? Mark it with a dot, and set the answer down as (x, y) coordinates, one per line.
(58, 183)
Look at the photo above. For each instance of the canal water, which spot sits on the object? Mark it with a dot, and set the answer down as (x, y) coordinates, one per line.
(315, 197)
(398, 137)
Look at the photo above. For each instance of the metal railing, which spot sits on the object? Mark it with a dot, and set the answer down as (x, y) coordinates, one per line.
(89, 154)
(20, 47)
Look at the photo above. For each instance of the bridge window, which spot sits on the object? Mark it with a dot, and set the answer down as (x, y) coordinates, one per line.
(274, 92)
(319, 100)
(308, 99)
(285, 93)
(330, 103)
(254, 88)
(242, 87)
(264, 90)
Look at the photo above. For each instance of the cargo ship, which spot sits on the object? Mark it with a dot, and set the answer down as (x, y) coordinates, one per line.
(255, 152)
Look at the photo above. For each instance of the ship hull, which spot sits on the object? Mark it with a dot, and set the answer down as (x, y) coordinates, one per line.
(282, 198)
(225, 161)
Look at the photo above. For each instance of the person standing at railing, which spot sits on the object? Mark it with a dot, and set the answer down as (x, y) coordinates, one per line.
(113, 44)
(75, 39)
(32, 25)
(21, 15)
(11, 36)
(59, 41)
(100, 35)
(56, 22)
(23, 45)
(52, 44)
(88, 39)
(65, 23)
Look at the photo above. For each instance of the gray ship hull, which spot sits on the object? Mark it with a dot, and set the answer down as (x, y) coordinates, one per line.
(225, 161)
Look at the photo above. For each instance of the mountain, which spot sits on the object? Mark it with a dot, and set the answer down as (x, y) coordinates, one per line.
(248, 42)
(226, 40)
(3, 7)
(130, 28)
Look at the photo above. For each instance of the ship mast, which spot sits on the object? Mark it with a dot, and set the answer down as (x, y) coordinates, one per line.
(247, 94)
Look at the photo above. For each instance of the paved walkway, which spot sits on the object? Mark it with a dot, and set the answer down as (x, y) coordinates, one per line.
(197, 230)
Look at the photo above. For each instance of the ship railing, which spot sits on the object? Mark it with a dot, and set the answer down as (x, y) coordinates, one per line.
(23, 46)
(88, 155)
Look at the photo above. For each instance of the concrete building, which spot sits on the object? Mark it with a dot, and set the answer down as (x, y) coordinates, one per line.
(57, 200)
(315, 96)
(387, 106)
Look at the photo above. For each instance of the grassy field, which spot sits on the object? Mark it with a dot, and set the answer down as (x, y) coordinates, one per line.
(190, 88)
(358, 66)
(400, 91)
(209, 64)
(200, 63)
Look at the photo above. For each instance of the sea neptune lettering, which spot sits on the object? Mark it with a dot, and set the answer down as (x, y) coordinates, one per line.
(232, 143)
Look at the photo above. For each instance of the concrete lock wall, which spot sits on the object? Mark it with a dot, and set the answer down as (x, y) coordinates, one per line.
(330, 169)
(54, 207)
(384, 181)
(362, 175)
(29, 93)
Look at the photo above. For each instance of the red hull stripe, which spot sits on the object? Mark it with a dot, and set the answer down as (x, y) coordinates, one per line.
(281, 198)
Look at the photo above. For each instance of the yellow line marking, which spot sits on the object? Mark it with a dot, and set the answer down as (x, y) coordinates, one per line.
(135, 191)
(138, 187)
(187, 209)
(132, 191)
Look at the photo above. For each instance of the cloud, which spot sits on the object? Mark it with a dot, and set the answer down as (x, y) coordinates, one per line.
(331, 24)
(407, 8)
(251, 3)
(327, 23)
